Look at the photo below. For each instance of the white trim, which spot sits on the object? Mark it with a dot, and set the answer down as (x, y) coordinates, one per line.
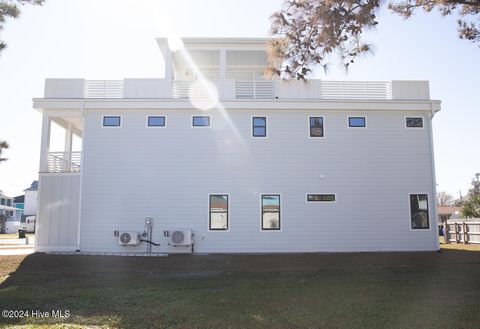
(156, 116)
(260, 194)
(266, 126)
(434, 181)
(323, 123)
(60, 173)
(357, 116)
(320, 202)
(80, 192)
(410, 215)
(228, 214)
(414, 116)
(196, 115)
(111, 115)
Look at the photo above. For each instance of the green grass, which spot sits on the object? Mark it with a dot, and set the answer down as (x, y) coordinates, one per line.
(370, 290)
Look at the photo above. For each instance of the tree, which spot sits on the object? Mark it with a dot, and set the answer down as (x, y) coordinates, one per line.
(3, 145)
(471, 207)
(307, 31)
(444, 199)
(9, 8)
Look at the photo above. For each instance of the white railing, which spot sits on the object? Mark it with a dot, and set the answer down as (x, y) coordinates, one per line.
(255, 89)
(59, 162)
(103, 89)
(180, 88)
(355, 90)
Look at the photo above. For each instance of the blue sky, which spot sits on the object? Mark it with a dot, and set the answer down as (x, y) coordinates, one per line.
(113, 39)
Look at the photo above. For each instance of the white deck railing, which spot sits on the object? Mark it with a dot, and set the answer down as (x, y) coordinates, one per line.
(64, 162)
(254, 89)
(103, 89)
(355, 90)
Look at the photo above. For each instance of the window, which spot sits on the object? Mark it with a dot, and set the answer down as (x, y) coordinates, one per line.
(316, 127)
(357, 122)
(419, 211)
(201, 121)
(259, 126)
(270, 212)
(111, 121)
(414, 122)
(320, 197)
(156, 121)
(218, 218)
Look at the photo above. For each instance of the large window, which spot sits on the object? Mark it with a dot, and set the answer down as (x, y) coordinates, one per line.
(316, 127)
(201, 121)
(419, 211)
(111, 121)
(270, 212)
(218, 207)
(412, 122)
(156, 121)
(320, 197)
(259, 127)
(357, 122)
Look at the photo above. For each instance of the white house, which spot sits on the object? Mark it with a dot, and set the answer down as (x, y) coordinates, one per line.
(30, 207)
(215, 156)
(11, 214)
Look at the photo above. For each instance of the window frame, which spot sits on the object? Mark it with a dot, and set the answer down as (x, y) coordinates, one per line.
(309, 127)
(409, 207)
(202, 116)
(112, 116)
(357, 117)
(156, 116)
(280, 226)
(320, 202)
(414, 117)
(210, 213)
(253, 117)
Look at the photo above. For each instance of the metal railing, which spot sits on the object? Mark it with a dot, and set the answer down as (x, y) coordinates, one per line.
(255, 89)
(103, 89)
(355, 90)
(466, 232)
(64, 162)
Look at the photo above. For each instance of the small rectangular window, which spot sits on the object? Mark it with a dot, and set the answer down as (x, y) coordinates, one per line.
(414, 122)
(321, 197)
(419, 211)
(259, 126)
(270, 212)
(111, 121)
(156, 121)
(201, 121)
(357, 122)
(316, 127)
(218, 205)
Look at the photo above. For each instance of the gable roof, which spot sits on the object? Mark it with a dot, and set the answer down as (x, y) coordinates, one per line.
(33, 187)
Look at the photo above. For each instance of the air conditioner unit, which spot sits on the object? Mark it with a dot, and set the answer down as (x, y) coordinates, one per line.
(128, 238)
(181, 237)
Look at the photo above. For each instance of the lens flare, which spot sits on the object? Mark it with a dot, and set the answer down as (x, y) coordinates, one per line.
(203, 95)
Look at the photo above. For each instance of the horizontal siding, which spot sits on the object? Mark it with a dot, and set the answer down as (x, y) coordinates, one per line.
(167, 173)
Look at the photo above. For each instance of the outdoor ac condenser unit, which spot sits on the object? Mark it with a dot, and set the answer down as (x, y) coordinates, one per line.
(128, 238)
(181, 237)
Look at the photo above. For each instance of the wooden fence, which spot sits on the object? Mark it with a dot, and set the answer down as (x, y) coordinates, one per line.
(462, 232)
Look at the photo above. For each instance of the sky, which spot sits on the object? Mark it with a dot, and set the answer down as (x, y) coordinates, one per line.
(115, 39)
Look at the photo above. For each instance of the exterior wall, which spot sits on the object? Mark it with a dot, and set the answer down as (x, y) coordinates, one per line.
(57, 219)
(30, 203)
(167, 173)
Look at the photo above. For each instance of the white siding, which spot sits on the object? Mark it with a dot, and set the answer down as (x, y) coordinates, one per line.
(30, 203)
(57, 220)
(167, 173)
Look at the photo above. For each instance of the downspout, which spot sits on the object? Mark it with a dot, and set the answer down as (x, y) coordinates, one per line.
(434, 180)
(82, 160)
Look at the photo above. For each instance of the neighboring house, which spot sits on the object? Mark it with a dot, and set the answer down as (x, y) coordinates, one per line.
(31, 199)
(445, 212)
(269, 166)
(19, 202)
(12, 214)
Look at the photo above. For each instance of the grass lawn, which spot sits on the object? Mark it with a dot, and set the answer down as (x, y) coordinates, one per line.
(15, 236)
(369, 290)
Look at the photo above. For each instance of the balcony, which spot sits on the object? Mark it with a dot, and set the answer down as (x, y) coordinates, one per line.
(240, 89)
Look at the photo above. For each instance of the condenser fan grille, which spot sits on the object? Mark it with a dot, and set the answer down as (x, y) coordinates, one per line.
(178, 237)
(125, 238)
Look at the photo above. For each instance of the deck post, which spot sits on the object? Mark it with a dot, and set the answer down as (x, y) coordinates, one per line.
(45, 143)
